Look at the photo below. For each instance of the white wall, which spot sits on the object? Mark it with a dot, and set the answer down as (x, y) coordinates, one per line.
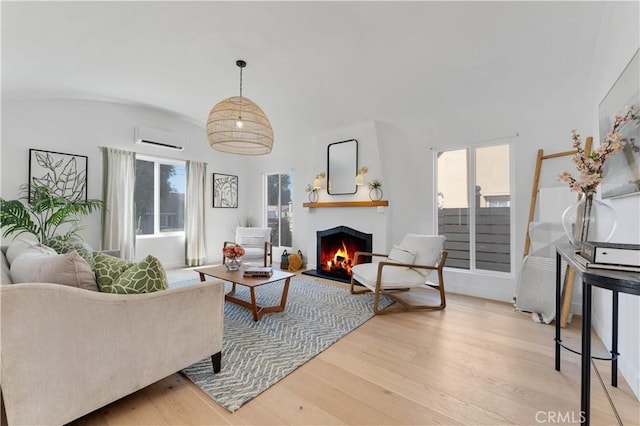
(371, 220)
(80, 127)
(617, 42)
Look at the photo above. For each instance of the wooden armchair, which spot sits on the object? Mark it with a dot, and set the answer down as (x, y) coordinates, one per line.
(406, 267)
(256, 243)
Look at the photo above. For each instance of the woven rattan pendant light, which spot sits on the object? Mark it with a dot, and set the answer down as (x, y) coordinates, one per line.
(236, 125)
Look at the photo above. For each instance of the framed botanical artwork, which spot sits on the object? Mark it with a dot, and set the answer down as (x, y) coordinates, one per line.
(621, 172)
(64, 174)
(225, 191)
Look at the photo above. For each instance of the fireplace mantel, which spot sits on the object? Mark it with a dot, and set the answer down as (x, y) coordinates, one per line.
(381, 203)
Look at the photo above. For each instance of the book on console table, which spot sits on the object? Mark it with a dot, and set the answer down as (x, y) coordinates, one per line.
(258, 271)
(587, 264)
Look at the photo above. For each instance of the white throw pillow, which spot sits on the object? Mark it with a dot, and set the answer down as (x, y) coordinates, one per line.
(5, 277)
(19, 245)
(251, 241)
(428, 249)
(402, 255)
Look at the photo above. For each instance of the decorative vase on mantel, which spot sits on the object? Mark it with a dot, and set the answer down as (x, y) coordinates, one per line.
(375, 193)
(233, 263)
(313, 196)
(589, 219)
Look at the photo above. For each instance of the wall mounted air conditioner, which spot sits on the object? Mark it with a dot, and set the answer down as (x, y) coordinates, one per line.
(158, 138)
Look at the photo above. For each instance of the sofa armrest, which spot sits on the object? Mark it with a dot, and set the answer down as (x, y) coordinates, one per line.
(67, 351)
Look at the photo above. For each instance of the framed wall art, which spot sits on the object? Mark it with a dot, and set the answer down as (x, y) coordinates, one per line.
(621, 172)
(225, 191)
(64, 174)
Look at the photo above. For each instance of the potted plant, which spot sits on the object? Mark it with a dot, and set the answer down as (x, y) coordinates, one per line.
(313, 193)
(375, 190)
(42, 213)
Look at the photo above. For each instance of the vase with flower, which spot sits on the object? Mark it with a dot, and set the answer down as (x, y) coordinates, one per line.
(232, 254)
(581, 218)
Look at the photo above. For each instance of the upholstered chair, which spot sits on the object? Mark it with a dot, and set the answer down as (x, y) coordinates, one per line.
(406, 267)
(256, 243)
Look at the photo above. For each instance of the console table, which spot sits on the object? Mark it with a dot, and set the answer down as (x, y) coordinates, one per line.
(616, 282)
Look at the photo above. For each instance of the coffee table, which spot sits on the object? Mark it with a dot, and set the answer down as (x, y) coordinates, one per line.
(237, 278)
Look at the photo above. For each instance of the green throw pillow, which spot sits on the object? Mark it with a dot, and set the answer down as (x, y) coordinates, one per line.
(108, 269)
(143, 277)
(73, 243)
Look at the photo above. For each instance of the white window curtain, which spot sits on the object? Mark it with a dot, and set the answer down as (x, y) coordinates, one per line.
(194, 227)
(118, 220)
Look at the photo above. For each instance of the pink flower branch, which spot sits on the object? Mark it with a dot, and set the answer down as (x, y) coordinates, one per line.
(590, 165)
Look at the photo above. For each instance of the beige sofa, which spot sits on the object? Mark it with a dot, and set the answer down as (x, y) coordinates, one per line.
(66, 351)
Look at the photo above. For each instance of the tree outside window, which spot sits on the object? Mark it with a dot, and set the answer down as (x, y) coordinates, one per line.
(159, 197)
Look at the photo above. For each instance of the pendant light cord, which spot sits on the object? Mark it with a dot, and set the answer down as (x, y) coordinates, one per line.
(241, 65)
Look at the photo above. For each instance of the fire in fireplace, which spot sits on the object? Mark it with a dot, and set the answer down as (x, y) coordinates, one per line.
(336, 248)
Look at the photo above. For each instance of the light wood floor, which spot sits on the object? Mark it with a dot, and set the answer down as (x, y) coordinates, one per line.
(476, 363)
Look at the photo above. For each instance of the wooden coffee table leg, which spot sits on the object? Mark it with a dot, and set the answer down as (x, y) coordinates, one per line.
(233, 289)
(254, 307)
(285, 292)
(202, 277)
(259, 311)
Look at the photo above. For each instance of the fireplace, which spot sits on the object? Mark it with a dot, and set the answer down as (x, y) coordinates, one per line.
(335, 251)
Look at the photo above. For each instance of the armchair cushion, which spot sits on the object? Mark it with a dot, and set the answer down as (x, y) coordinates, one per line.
(428, 249)
(249, 236)
(251, 241)
(253, 251)
(392, 276)
(401, 255)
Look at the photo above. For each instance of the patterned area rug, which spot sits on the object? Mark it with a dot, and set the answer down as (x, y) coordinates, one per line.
(258, 354)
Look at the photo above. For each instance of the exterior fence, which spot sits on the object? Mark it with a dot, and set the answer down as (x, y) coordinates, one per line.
(493, 237)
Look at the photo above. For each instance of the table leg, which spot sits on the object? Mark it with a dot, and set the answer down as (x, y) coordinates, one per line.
(202, 277)
(614, 340)
(558, 339)
(585, 380)
(567, 295)
(285, 292)
(256, 310)
(254, 307)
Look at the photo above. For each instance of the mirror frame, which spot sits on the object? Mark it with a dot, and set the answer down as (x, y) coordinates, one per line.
(355, 168)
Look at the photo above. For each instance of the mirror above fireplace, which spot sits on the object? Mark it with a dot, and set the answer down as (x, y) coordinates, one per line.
(342, 167)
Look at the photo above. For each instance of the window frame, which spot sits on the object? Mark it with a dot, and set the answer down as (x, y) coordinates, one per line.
(266, 203)
(157, 161)
(471, 200)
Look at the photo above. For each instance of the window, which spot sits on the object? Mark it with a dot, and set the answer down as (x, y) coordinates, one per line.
(159, 196)
(478, 228)
(279, 209)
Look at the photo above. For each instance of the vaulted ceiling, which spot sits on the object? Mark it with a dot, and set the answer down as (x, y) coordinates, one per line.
(322, 64)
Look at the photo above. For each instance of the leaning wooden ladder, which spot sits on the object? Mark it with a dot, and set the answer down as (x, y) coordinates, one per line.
(569, 277)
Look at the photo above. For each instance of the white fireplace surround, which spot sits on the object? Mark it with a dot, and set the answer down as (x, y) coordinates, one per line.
(371, 220)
